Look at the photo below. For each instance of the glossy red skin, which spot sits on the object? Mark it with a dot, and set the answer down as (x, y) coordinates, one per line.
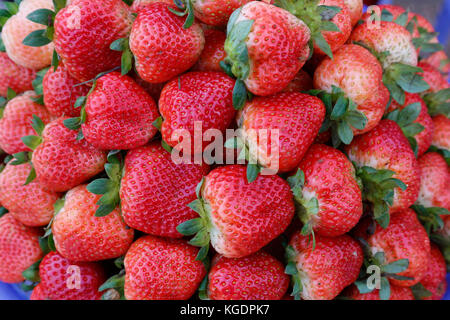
(38, 293)
(342, 20)
(330, 177)
(61, 92)
(433, 77)
(301, 82)
(81, 236)
(19, 248)
(255, 277)
(434, 279)
(441, 137)
(216, 12)
(404, 238)
(162, 269)
(119, 114)
(425, 137)
(138, 4)
(63, 162)
(397, 293)
(213, 52)
(355, 8)
(359, 74)
(59, 279)
(386, 147)
(16, 122)
(30, 204)
(435, 181)
(325, 271)
(85, 50)
(14, 76)
(155, 191)
(275, 57)
(161, 46)
(196, 96)
(297, 116)
(245, 217)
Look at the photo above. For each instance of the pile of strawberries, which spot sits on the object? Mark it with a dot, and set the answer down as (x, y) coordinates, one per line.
(338, 184)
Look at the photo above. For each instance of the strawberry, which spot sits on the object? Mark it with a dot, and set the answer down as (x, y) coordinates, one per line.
(434, 279)
(155, 27)
(162, 269)
(14, 76)
(138, 4)
(388, 168)
(433, 77)
(62, 161)
(439, 60)
(214, 12)
(16, 121)
(117, 114)
(400, 250)
(238, 217)
(435, 181)
(62, 279)
(204, 97)
(79, 235)
(213, 52)
(255, 277)
(441, 137)
(19, 248)
(397, 293)
(296, 116)
(327, 192)
(414, 120)
(30, 204)
(15, 34)
(358, 97)
(84, 30)
(155, 191)
(263, 60)
(321, 273)
(301, 82)
(61, 91)
(355, 8)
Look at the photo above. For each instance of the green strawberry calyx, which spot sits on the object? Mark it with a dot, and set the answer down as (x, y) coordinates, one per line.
(378, 189)
(185, 8)
(199, 227)
(376, 262)
(438, 102)
(109, 186)
(306, 208)
(430, 217)
(253, 167)
(342, 115)
(123, 46)
(158, 125)
(292, 270)
(10, 94)
(38, 87)
(406, 118)
(114, 287)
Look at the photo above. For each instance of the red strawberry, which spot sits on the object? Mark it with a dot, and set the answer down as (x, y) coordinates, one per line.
(435, 181)
(414, 120)
(383, 156)
(321, 273)
(358, 74)
(63, 162)
(138, 4)
(30, 204)
(19, 248)
(213, 52)
(155, 191)
(397, 293)
(16, 121)
(204, 97)
(84, 30)
(355, 8)
(327, 192)
(441, 137)
(256, 277)
(238, 217)
(433, 77)
(298, 118)
(119, 114)
(301, 82)
(79, 235)
(404, 238)
(38, 293)
(154, 28)
(162, 269)
(439, 60)
(62, 279)
(14, 76)
(275, 57)
(60, 92)
(434, 279)
(216, 12)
